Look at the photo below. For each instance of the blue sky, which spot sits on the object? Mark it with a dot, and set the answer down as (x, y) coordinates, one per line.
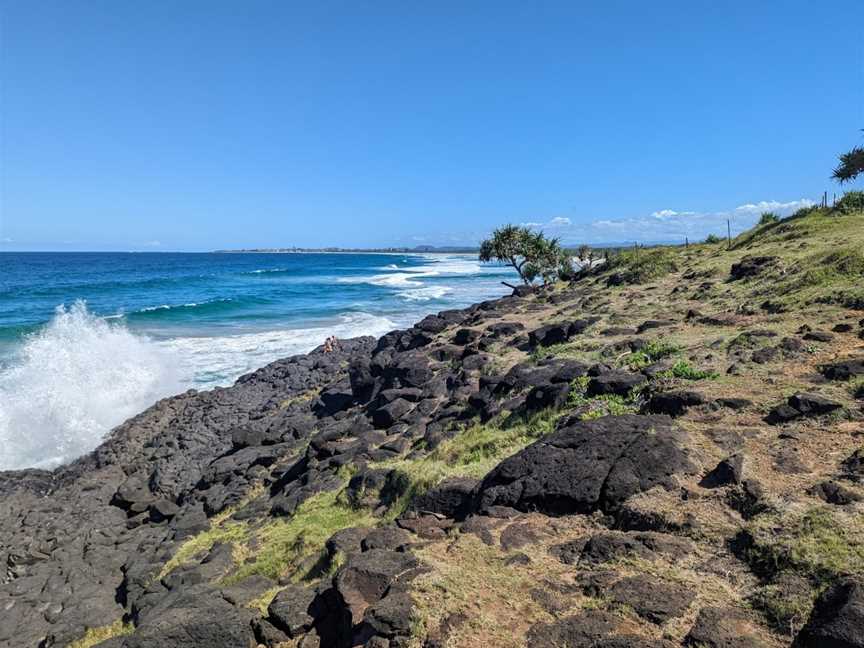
(200, 125)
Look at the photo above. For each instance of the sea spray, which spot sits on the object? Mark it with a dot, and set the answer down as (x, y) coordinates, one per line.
(72, 382)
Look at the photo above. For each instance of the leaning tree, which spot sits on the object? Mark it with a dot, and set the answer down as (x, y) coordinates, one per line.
(851, 165)
(530, 253)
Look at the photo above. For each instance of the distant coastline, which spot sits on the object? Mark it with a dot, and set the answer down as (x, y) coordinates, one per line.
(420, 249)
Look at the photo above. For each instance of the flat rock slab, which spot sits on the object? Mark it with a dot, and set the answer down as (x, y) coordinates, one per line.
(723, 628)
(608, 546)
(844, 370)
(652, 600)
(589, 629)
(589, 466)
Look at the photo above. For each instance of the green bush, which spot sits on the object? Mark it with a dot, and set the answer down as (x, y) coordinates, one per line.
(652, 352)
(713, 238)
(768, 217)
(684, 370)
(851, 201)
(638, 266)
(804, 212)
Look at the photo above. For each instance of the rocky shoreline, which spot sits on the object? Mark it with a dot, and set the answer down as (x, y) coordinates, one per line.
(544, 469)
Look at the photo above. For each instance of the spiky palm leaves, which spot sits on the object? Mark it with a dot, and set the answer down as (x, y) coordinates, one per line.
(531, 254)
(851, 165)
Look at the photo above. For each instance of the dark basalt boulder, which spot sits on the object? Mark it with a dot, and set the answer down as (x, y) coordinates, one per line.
(432, 324)
(674, 403)
(613, 545)
(198, 618)
(729, 471)
(162, 510)
(617, 383)
(651, 599)
(391, 538)
(549, 396)
(411, 369)
(802, 405)
(765, 355)
(466, 336)
(834, 493)
(291, 610)
(389, 414)
(389, 617)
(451, 498)
(837, 620)
(845, 370)
(333, 400)
(549, 334)
(751, 266)
(653, 324)
(557, 333)
(589, 466)
(503, 329)
(723, 628)
(853, 466)
(367, 576)
(818, 336)
(733, 403)
(585, 630)
(363, 383)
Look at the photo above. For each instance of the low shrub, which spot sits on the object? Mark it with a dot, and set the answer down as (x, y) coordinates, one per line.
(851, 201)
(713, 238)
(639, 266)
(652, 352)
(768, 217)
(684, 370)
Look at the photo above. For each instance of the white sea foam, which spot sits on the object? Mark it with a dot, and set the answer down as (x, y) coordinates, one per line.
(211, 361)
(80, 376)
(426, 293)
(72, 382)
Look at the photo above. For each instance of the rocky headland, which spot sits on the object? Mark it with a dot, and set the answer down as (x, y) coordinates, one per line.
(666, 451)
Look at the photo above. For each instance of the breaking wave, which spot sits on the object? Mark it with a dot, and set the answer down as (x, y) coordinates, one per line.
(71, 382)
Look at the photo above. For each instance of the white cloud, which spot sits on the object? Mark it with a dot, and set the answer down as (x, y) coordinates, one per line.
(152, 244)
(671, 225)
(664, 213)
(531, 224)
(775, 206)
(6, 240)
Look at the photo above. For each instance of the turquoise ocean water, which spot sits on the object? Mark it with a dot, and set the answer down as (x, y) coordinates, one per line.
(89, 339)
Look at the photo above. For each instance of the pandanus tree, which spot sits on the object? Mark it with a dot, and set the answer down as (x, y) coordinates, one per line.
(851, 165)
(531, 254)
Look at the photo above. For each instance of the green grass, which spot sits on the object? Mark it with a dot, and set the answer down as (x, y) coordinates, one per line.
(801, 554)
(220, 531)
(597, 406)
(684, 370)
(95, 636)
(815, 544)
(472, 453)
(283, 546)
(786, 609)
(652, 352)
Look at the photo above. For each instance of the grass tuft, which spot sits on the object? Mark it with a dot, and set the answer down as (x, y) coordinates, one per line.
(285, 546)
(684, 370)
(95, 636)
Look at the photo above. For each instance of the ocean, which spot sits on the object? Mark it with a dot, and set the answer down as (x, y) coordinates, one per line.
(89, 339)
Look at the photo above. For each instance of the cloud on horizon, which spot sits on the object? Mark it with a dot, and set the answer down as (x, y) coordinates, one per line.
(666, 224)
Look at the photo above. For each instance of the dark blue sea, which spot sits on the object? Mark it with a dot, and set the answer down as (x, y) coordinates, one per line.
(90, 339)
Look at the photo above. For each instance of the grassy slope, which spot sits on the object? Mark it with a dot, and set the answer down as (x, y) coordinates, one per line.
(819, 273)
